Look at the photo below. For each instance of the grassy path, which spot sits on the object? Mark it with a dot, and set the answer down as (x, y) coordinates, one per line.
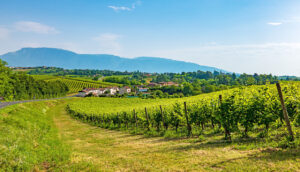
(96, 149)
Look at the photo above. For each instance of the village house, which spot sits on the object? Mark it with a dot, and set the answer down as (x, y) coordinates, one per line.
(88, 90)
(102, 90)
(108, 90)
(99, 91)
(94, 91)
(168, 83)
(142, 89)
(125, 90)
(153, 84)
(113, 90)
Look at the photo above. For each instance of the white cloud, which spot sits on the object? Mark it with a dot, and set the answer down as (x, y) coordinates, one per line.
(123, 8)
(274, 23)
(290, 20)
(115, 8)
(4, 33)
(109, 42)
(30, 26)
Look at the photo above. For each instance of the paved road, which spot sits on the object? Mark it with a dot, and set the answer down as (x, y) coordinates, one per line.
(4, 104)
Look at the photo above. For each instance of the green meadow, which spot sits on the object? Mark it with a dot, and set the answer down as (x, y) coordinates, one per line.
(41, 136)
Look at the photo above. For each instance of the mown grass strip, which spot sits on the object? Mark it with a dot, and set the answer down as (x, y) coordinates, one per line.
(29, 140)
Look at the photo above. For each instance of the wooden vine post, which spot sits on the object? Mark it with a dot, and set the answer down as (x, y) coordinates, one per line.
(135, 118)
(189, 128)
(162, 115)
(220, 99)
(285, 113)
(126, 120)
(119, 122)
(147, 118)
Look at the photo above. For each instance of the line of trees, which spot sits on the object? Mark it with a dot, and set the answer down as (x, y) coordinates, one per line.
(211, 78)
(20, 86)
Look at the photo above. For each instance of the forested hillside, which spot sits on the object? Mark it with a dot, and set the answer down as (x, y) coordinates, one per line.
(20, 86)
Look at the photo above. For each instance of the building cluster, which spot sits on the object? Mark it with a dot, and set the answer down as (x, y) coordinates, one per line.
(162, 84)
(123, 90)
(105, 91)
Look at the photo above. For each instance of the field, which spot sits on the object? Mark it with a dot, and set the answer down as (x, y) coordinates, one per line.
(76, 84)
(57, 142)
(246, 112)
(117, 134)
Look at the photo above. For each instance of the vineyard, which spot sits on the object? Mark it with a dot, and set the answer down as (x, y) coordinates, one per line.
(75, 84)
(255, 109)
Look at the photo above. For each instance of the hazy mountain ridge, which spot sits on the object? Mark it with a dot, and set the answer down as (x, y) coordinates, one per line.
(31, 57)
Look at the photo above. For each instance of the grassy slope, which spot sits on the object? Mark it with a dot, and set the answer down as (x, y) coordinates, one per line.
(29, 139)
(38, 135)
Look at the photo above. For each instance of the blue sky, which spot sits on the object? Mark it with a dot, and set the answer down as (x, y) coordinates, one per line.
(248, 36)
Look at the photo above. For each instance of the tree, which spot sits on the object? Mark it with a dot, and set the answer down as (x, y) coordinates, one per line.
(188, 89)
(159, 93)
(18, 86)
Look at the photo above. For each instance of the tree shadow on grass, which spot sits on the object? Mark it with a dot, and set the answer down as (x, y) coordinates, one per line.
(206, 144)
(210, 144)
(268, 154)
(192, 143)
(275, 154)
(248, 140)
(160, 140)
(212, 134)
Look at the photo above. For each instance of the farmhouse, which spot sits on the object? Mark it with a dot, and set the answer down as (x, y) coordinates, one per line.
(142, 89)
(112, 90)
(161, 84)
(124, 90)
(94, 91)
(102, 90)
(153, 84)
(168, 83)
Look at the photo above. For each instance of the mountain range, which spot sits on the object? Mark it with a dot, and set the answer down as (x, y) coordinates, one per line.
(32, 57)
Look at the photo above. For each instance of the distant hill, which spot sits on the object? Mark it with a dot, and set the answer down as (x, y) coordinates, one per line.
(32, 57)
